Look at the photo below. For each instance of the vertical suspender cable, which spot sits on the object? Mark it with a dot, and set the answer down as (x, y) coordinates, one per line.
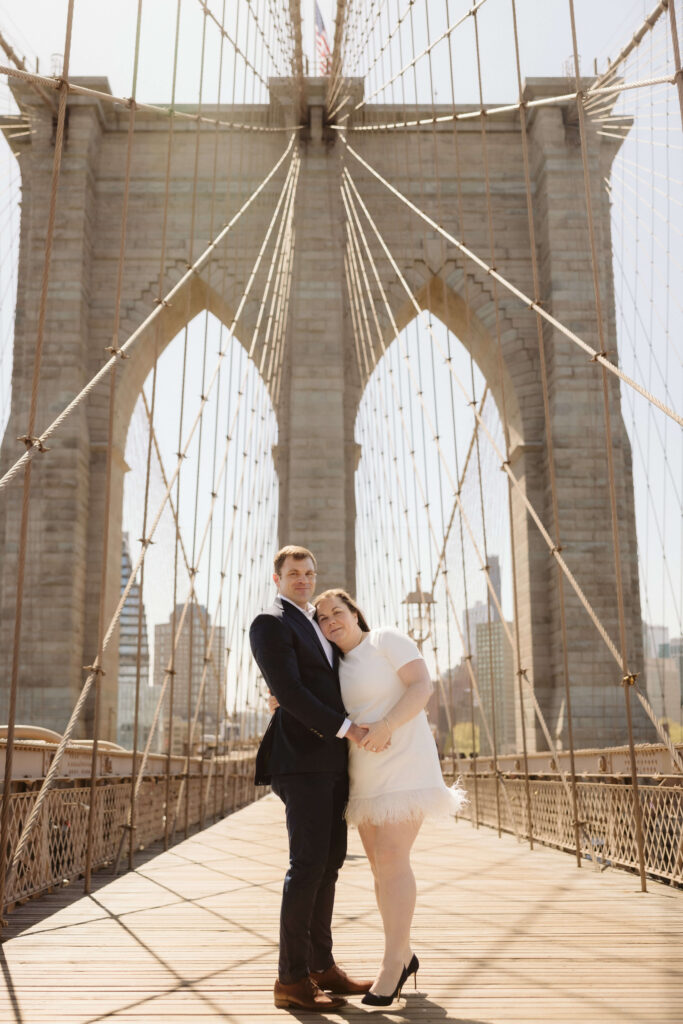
(194, 568)
(144, 538)
(549, 442)
(5, 850)
(110, 439)
(628, 678)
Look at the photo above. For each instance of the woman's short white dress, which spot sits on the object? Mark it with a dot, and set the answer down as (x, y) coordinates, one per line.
(404, 781)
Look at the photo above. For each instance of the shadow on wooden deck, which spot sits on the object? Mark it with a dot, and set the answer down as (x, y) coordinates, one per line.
(503, 935)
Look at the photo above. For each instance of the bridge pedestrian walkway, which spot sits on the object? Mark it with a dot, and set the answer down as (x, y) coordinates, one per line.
(504, 935)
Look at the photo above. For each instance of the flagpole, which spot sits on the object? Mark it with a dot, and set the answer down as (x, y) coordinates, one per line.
(315, 43)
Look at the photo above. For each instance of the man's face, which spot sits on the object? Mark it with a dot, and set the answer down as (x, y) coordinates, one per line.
(297, 580)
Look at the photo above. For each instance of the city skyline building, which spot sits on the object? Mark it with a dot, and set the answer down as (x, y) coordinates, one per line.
(189, 662)
(654, 638)
(663, 665)
(130, 624)
(478, 613)
(495, 671)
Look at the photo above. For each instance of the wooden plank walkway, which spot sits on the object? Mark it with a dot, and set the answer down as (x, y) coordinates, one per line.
(504, 935)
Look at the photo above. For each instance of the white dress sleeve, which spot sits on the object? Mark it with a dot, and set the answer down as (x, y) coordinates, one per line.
(397, 648)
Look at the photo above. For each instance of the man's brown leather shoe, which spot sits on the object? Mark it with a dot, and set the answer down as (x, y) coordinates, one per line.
(335, 979)
(305, 995)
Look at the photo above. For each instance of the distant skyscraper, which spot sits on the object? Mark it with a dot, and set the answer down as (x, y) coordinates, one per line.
(495, 669)
(478, 613)
(663, 664)
(128, 653)
(189, 666)
(494, 575)
(655, 641)
(494, 664)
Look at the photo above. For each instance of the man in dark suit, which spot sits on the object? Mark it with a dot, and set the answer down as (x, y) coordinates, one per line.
(304, 759)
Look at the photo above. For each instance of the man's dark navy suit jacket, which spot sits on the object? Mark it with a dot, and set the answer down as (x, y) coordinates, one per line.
(302, 734)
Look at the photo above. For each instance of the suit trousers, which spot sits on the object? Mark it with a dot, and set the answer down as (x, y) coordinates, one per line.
(314, 808)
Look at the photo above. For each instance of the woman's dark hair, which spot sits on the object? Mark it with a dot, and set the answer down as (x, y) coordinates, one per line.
(348, 601)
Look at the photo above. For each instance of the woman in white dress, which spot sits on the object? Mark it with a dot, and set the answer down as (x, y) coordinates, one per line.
(395, 778)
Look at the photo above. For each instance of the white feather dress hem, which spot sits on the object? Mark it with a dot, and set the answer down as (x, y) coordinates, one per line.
(406, 805)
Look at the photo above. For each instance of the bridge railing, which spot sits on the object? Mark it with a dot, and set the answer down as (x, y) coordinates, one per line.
(605, 802)
(57, 848)
(215, 787)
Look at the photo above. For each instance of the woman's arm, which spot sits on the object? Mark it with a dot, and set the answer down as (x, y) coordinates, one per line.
(356, 733)
(415, 677)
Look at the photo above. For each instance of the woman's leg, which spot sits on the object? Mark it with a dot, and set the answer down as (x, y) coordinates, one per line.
(367, 838)
(388, 848)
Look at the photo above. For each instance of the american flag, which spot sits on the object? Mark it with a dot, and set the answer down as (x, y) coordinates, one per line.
(321, 44)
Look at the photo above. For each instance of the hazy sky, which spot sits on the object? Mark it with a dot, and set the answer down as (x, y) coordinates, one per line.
(103, 37)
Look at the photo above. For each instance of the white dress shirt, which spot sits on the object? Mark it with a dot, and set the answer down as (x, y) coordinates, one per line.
(309, 612)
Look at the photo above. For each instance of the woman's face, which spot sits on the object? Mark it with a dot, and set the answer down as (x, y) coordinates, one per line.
(338, 623)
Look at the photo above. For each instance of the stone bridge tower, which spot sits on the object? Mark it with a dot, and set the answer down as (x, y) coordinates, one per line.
(317, 454)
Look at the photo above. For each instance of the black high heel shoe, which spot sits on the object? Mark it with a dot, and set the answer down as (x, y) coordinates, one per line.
(370, 999)
(412, 968)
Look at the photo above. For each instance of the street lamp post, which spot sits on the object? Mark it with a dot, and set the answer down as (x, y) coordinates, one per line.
(419, 613)
(419, 604)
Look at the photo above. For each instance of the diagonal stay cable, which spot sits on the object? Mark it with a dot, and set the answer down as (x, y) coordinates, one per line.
(128, 102)
(595, 356)
(233, 42)
(414, 60)
(21, 65)
(461, 484)
(628, 676)
(611, 646)
(532, 512)
(353, 222)
(202, 683)
(427, 50)
(507, 108)
(344, 52)
(29, 440)
(214, 496)
(648, 23)
(59, 753)
(351, 39)
(281, 251)
(461, 479)
(39, 442)
(171, 503)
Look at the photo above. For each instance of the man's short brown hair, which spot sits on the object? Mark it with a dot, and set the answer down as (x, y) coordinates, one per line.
(292, 551)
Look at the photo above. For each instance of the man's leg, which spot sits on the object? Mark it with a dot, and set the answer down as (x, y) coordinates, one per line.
(309, 807)
(321, 919)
